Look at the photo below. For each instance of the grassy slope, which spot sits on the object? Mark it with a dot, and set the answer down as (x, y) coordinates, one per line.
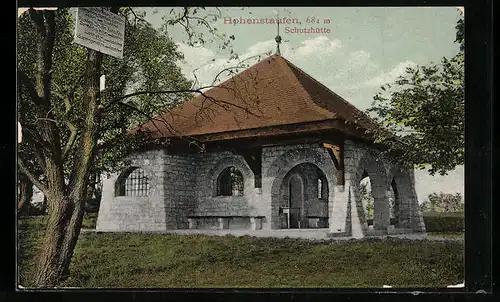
(447, 235)
(161, 260)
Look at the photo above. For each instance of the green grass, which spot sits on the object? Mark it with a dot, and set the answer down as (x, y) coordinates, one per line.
(449, 235)
(167, 260)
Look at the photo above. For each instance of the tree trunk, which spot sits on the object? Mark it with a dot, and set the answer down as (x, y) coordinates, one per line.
(87, 155)
(25, 194)
(43, 209)
(66, 211)
(66, 202)
(49, 268)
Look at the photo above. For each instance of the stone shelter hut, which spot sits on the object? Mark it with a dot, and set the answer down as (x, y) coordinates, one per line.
(276, 151)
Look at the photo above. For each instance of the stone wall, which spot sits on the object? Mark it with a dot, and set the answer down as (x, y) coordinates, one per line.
(184, 185)
(209, 166)
(144, 213)
(180, 188)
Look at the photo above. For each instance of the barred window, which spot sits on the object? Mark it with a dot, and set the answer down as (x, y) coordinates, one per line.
(134, 183)
(230, 182)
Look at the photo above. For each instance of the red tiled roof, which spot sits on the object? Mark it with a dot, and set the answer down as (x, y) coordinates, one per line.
(271, 93)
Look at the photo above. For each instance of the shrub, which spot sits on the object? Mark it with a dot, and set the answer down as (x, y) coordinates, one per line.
(37, 209)
(443, 202)
(92, 205)
(439, 222)
(89, 220)
(444, 222)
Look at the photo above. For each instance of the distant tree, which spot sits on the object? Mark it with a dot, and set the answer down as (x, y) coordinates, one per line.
(443, 202)
(392, 203)
(422, 114)
(367, 200)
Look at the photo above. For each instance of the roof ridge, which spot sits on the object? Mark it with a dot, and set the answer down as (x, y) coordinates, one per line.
(329, 90)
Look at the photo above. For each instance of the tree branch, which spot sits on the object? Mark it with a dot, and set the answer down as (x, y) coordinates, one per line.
(169, 126)
(224, 104)
(116, 100)
(71, 140)
(37, 144)
(72, 128)
(237, 66)
(75, 86)
(135, 15)
(32, 176)
(184, 21)
(47, 119)
(35, 138)
(146, 115)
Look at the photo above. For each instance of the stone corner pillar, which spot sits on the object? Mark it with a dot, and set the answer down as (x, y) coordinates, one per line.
(357, 229)
(417, 222)
(107, 200)
(337, 209)
(381, 209)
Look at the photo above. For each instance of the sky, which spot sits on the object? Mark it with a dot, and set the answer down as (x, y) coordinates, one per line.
(354, 52)
(366, 47)
(358, 50)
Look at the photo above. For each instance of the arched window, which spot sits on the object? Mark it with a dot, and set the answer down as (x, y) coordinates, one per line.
(230, 182)
(133, 183)
(320, 189)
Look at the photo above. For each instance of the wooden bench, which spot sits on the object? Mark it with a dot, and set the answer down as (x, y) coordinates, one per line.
(223, 221)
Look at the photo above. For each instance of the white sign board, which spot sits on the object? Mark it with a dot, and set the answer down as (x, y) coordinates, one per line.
(19, 133)
(102, 83)
(101, 30)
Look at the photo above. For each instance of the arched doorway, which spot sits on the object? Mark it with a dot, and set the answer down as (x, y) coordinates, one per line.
(371, 194)
(405, 206)
(366, 196)
(303, 198)
(296, 201)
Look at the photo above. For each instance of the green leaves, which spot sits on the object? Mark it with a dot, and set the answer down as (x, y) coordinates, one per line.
(425, 111)
(460, 37)
(149, 64)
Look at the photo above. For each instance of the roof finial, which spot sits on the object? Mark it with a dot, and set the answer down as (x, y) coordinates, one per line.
(278, 38)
